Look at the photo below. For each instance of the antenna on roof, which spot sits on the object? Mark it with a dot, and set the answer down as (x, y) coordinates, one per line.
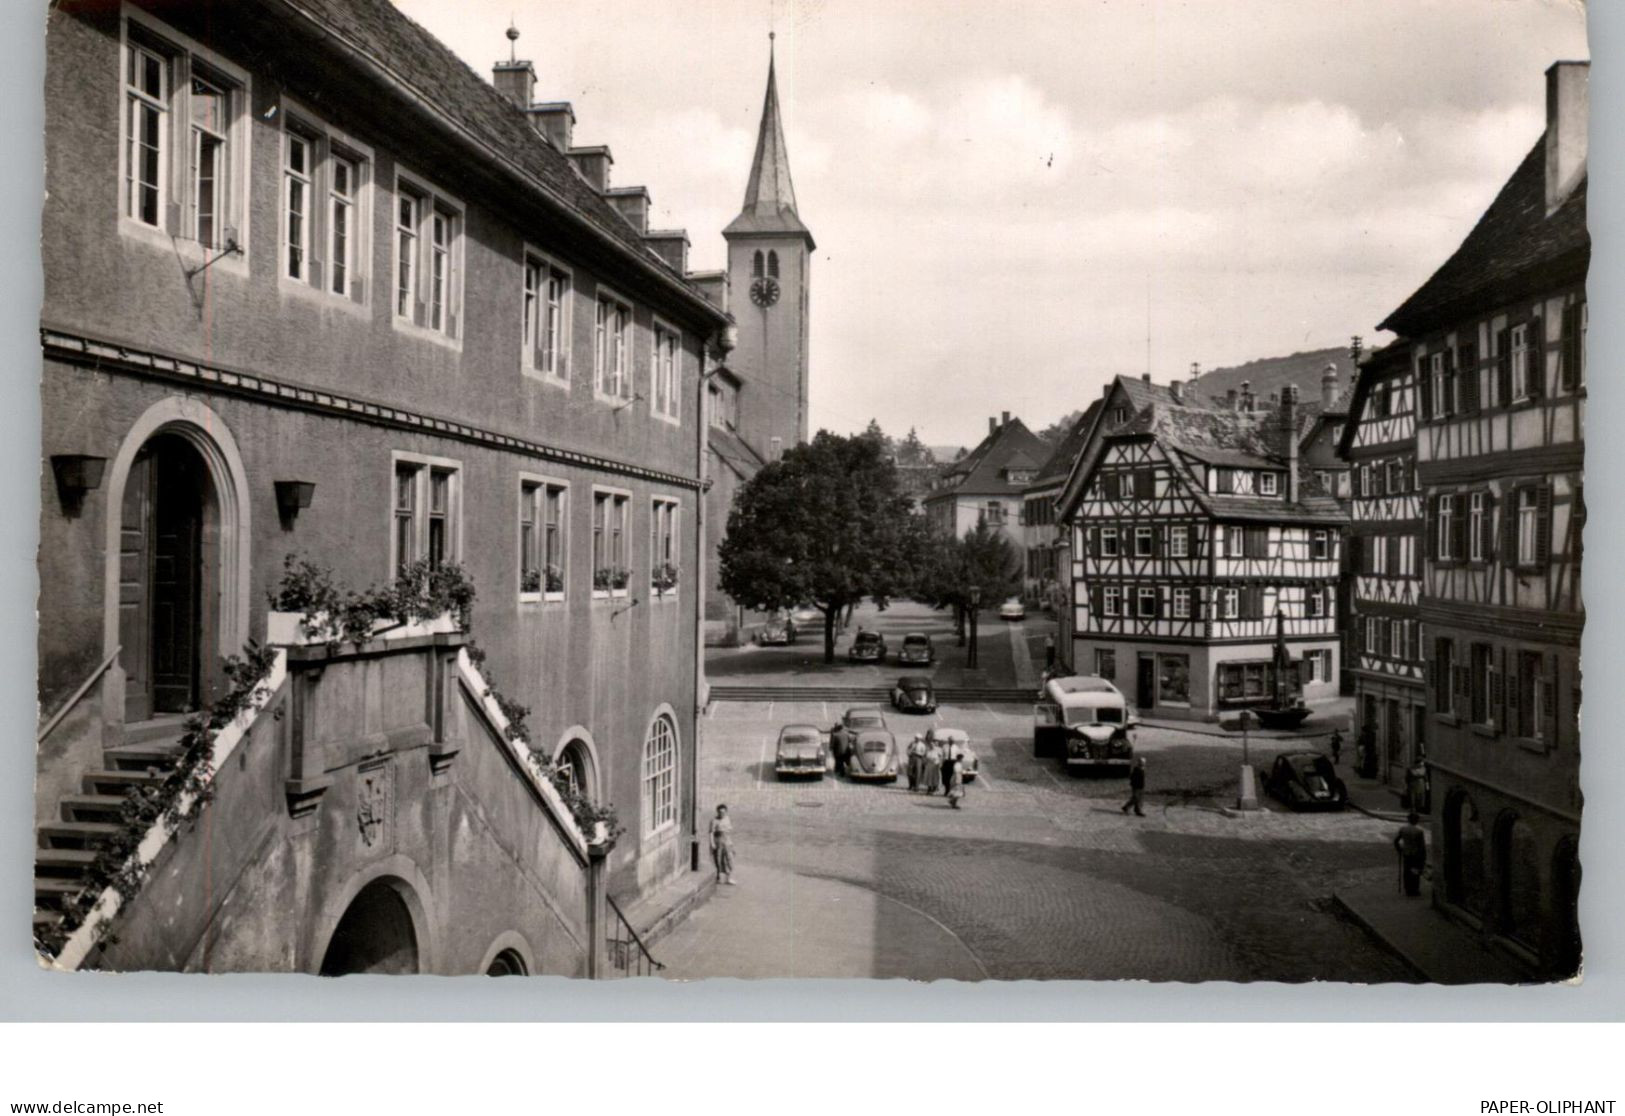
(1147, 326)
(513, 40)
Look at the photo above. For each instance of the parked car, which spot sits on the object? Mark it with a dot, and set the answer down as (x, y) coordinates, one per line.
(914, 693)
(780, 631)
(956, 742)
(867, 647)
(1306, 781)
(874, 756)
(807, 617)
(917, 649)
(853, 721)
(801, 751)
(1086, 721)
(1013, 609)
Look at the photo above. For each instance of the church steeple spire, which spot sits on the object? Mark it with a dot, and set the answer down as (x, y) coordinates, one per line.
(770, 196)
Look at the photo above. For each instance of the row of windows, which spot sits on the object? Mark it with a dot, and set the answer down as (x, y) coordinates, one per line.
(1392, 638)
(184, 172)
(1176, 541)
(1461, 526)
(1454, 381)
(1496, 688)
(1236, 681)
(1252, 602)
(1383, 555)
(1387, 478)
(428, 500)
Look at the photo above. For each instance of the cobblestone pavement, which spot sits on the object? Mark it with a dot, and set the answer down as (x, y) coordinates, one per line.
(1041, 875)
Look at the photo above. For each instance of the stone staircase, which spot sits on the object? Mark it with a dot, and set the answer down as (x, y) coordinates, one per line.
(66, 849)
(877, 695)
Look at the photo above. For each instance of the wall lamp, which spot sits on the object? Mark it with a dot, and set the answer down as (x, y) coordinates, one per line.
(76, 474)
(291, 496)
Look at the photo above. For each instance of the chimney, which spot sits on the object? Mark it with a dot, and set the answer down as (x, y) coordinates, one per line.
(556, 120)
(593, 163)
(1230, 398)
(631, 202)
(1006, 420)
(713, 285)
(1328, 388)
(1247, 395)
(671, 245)
(1289, 429)
(1567, 107)
(1178, 391)
(992, 426)
(515, 79)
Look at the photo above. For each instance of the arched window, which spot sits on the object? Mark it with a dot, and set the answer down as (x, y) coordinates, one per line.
(660, 775)
(756, 266)
(507, 963)
(1463, 853)
(773, 264)
(1517, 879)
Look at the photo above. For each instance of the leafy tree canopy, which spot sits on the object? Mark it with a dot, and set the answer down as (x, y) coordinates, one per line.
(1055, 433)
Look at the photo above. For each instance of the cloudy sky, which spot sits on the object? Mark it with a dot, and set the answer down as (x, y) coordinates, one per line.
(1015, 201)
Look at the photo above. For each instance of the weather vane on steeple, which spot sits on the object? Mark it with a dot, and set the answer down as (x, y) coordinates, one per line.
(513, 40)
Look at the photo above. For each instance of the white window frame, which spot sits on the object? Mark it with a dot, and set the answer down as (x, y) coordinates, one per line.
(537, 305)
(425, 465)
(667, 510)
(1179, 541)
(1446, 527)
(1527, 506)
(1522, 364)
(659, 781)
(1182, 603)
(543, 487)
(1320, 544)
(428, 204)
(1393, 479)
(182, 58)
(1142, 594)
(1108, 543)
(1441, 402)
(1148, 537)
(618, 350)
(620, 505)
(326, 147)
(666, 372)
(1269, 483)
(1229, 604)
(1476, 510)
(1111, 601)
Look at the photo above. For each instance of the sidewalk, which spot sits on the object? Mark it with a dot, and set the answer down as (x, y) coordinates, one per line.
(1441, 951)
(657, 913)
(779, 924)
(1334, 714)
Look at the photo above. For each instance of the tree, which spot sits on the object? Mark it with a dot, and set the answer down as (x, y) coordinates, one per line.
(826, 524)
(912, 451)
(888, 447)
(949, 568)
(1055, 433)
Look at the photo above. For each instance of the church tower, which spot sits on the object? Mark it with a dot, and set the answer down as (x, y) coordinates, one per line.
(769, 261)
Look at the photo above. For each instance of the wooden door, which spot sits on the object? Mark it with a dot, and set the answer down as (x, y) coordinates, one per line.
(1146, 681)
(134, 590)
(176, 576)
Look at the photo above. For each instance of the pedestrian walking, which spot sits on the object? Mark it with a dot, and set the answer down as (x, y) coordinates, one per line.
(916, 761)
(1411, 845)
(722, 845)
(956, 787)
(950, 764)
(1416, 787)
(1049, 652)
(1337, 747)
(933, 768)
(1136, 788)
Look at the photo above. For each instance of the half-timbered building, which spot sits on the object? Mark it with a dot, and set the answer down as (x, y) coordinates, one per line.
(1496, 343)
(1198, 536)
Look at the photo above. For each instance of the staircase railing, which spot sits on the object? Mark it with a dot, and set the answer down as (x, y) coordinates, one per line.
(628, 956)
(78, 696)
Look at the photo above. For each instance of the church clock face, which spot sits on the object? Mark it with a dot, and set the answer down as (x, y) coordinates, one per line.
(764, 291)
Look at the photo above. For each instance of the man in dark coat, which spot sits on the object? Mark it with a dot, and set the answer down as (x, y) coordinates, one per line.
(1136, 788)
(1411, 845)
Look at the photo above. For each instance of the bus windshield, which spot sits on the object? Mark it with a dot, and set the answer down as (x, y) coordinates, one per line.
(1094, 714)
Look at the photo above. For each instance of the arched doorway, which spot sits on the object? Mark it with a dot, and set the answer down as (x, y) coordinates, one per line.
(168, 575)
(507, 963)
(1566, 906)
(1517, 879)
(1463, 853)
(375, 935)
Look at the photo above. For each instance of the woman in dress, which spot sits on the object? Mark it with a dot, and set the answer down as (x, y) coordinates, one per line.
(722, 845)
(933, 768)
(956, 786)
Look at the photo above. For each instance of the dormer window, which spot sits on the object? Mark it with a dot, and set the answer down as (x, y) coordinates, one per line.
(1268, 484)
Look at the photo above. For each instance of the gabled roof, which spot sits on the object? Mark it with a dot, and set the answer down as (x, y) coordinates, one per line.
(770, 196)
(981, 472)
(1514, 249)
(401, 51)
(1054, 471)
(1377, 366)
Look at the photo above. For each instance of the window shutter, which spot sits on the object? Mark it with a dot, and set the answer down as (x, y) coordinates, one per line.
(1537, 358)
(1512, 683)
(1543, 524)
(1509, 528)
(1426, 383)
(1503, 368)
(1092, 544)
(1451, 403)
(1548, 702)
(1354, 556)
(1157, 607)
(1158, 546)
(1095, 601)
(1393, 554)
(1458, 533)
(1433, 528)
(1486, 529)
(1378, 484)
(1568, 367)
(1469, 379)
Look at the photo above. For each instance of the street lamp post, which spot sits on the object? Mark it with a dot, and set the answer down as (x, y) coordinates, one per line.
(973, 658)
